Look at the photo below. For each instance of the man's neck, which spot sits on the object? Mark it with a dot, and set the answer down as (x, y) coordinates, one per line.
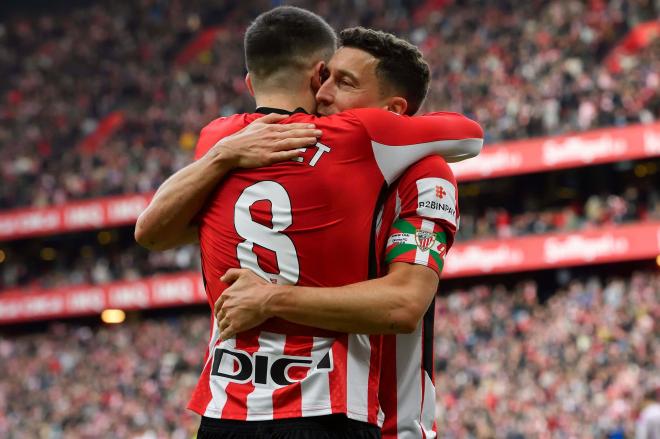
(288, 103)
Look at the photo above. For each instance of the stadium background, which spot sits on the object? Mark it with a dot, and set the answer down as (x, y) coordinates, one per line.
(547, 318)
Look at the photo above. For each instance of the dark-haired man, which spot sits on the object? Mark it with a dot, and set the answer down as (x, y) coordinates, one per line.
(347, 364)
(366, 72)
(374, 69)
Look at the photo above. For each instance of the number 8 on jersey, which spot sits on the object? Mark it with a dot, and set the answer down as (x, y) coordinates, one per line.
(270, 238)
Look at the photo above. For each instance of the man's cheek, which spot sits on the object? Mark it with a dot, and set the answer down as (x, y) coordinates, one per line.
(343, 104)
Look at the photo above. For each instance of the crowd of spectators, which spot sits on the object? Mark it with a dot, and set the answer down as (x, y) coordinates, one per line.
(508, 366)
(129, 381)
(575, 366)
(520, 69)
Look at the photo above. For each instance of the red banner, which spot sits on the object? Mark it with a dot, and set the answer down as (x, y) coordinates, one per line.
(84, 215)
(622, 243)
(612, 244)
(155, 292)
(562, 152)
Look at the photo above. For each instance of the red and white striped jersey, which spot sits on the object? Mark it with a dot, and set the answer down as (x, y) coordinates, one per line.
(418, 225)
(308, 222)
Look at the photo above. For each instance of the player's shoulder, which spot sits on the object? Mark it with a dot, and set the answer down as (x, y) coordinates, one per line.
(371, 114)
(459, 122)
(355, 115)
(219, 128)
(337, 126)
(228, 123)
(357, 122)
(433, 166)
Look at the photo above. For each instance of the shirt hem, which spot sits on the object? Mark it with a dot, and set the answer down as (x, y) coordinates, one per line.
(268, 416)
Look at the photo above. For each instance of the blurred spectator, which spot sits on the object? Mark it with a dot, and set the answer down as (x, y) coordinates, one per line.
(648, 424)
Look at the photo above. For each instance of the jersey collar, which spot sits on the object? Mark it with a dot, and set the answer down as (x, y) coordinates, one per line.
(267, 110)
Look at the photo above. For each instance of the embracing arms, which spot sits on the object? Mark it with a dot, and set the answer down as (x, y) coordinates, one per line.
(391, 304)
(412, 241)
(168, 221)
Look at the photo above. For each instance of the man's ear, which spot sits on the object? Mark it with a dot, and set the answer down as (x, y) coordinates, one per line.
(317, 76)
(248, 84)
(397, 104)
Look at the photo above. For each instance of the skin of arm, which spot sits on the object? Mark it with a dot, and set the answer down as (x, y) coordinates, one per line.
(466, 150)
(392, 304)
(168, 220)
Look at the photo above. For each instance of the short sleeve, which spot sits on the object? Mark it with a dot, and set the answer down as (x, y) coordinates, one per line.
(399, 141)
(425, 215)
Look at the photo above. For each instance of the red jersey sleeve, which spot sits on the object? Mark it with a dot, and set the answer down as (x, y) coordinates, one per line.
(206, 137)
(399, 141)
(426, 215)
(220, 128)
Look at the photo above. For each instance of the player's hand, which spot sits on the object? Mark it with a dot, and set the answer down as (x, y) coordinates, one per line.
(265, 141)
(240, 307)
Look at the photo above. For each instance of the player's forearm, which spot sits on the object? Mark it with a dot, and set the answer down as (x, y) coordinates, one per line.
(168, 220)
(467, 151)
(389, 305)
(468, 135)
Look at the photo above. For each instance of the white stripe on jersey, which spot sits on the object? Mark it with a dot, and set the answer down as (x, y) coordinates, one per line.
(409, 238)
(432, 206)
(316, 390)
(408, 383)
(422, 257)
(217, 403)
(357, 375)
(393, 160)
(260, 400)
(428, 407)
(315, 398)
(397, 206)
(379, 219)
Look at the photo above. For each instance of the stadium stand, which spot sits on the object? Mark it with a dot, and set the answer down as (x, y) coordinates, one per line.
(124, 382)
(101, 101)
(509, 366)
(93, 258)
(60, 101)
(575, 366)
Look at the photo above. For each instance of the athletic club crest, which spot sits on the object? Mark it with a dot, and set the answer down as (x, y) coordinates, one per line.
(424, 239)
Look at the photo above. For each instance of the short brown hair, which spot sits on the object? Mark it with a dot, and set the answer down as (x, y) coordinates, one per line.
(285, 39)
(401, 65)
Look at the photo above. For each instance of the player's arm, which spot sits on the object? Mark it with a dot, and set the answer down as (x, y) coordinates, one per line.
(389, 305)
(469, 136)
(395, 303)
(168, 220)
(399, 141)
